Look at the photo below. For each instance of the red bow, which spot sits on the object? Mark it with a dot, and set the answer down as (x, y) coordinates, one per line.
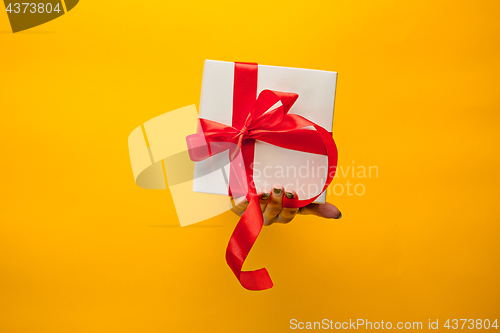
(266, 119)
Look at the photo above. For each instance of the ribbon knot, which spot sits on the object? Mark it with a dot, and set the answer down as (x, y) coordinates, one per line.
(242, 135)
(244, 131)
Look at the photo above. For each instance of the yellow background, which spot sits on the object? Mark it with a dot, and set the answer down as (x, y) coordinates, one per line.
(83, 249)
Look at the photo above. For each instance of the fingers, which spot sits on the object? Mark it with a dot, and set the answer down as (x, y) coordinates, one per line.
(326, 210)
(287, 214)
(264, 199)
(271, 205)
(239, 205)
(274, 205)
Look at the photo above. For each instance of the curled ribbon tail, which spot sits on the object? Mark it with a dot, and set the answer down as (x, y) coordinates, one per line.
(244, 236)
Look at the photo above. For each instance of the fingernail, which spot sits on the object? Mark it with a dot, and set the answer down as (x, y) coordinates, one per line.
(340, 216)
(289, 195)
(266, 196)
(277, 191)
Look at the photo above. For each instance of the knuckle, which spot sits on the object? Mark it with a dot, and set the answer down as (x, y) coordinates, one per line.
(289, 213)
(267, 221)
(273, 210)
(283, 219)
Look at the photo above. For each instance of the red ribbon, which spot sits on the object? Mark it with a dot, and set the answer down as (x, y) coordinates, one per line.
(251, 122)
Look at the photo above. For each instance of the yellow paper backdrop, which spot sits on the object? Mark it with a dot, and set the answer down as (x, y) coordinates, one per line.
(83, 249)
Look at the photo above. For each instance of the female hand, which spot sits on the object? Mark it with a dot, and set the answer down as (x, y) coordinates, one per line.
(271, 205)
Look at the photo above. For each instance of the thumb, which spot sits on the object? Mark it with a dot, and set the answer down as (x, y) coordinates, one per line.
(326, 210)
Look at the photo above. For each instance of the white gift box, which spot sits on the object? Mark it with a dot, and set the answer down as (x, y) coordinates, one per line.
(302, 172)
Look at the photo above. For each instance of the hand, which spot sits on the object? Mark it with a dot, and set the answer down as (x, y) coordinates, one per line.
(271, 205)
